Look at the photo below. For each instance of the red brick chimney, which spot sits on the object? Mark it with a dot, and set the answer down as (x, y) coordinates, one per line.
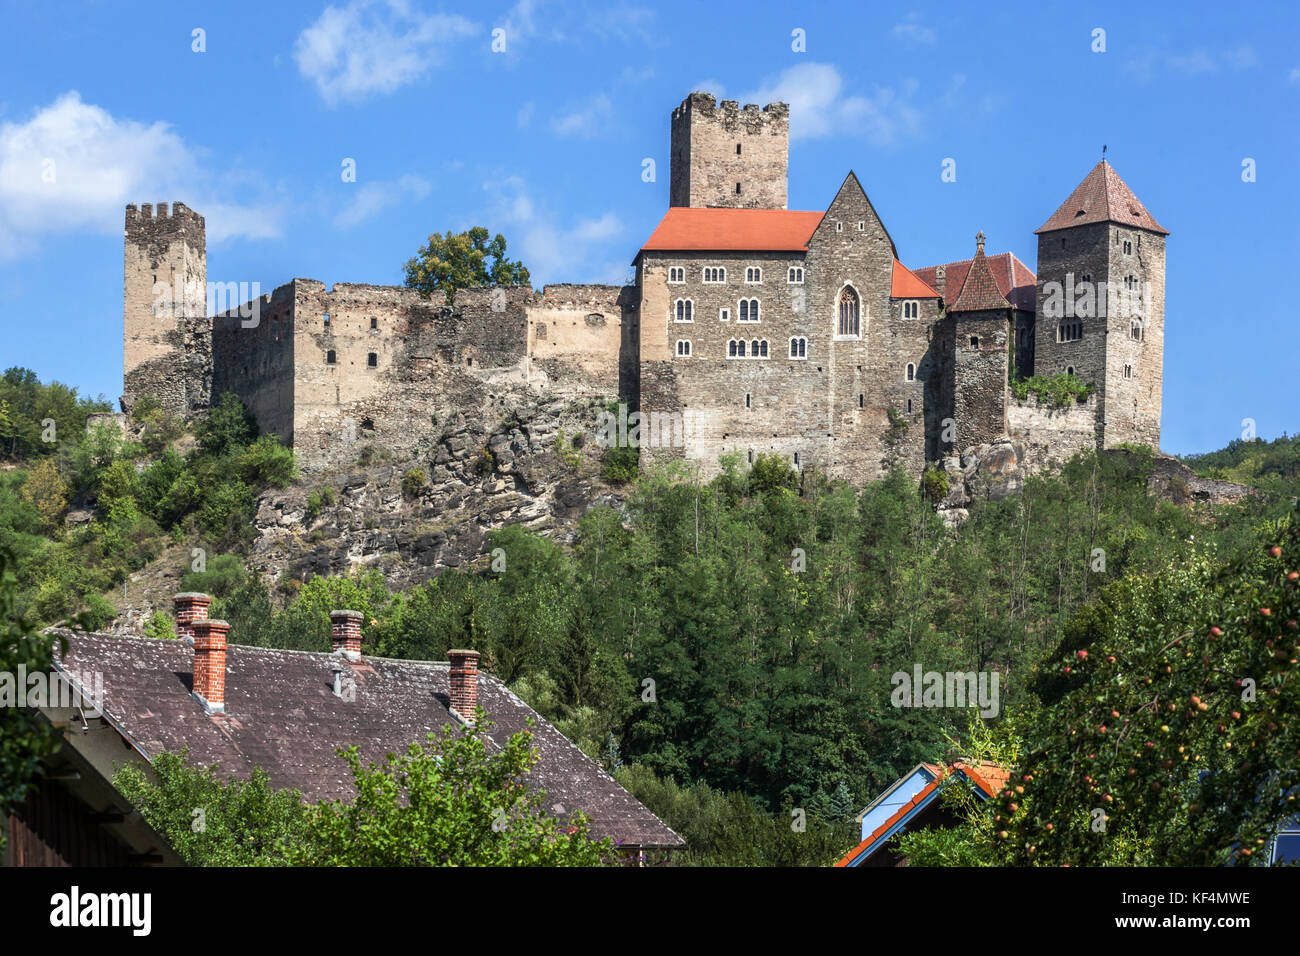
(189, 607)
(464, 683)
(210, 664)
(346, 627)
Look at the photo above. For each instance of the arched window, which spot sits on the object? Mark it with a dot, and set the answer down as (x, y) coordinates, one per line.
(684, 311)
(740, 348)
(911, 309)
(748, 310)
(329, 357)
(753, 349)
(684, 348)
(1069, 370)
(731, 349)
(762, 349)
(1135, 329)
(798, 348)
(848, 313)
(911, 372)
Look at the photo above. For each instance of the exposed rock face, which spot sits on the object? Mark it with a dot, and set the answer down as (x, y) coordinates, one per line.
(1175, 482)
(534, 466)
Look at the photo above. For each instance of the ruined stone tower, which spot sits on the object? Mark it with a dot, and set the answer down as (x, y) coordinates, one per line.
(167, 343)
(1101, 304)
(723, 155)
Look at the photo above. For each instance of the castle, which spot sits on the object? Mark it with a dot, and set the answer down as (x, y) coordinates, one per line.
(749, 327)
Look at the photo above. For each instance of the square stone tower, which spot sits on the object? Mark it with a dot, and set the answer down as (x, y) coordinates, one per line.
(726, 156)
(167, 348)
(1101, 304)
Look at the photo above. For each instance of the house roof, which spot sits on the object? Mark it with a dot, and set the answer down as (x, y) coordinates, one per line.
(980, 290)
(692, 229)
(906, 284)
(1015, 280)
(282, 715)
(988, 779)
(1102, 197)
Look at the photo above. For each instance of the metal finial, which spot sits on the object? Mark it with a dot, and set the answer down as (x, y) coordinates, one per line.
(979, 243)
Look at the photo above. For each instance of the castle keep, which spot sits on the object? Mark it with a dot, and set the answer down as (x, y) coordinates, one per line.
(750, 327)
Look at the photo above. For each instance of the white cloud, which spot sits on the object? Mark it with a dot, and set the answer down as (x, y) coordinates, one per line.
(525, 114)
(912, 30)
(374, 46)
(820, 107)
(373, 198)
(1201, 61)
(552, 252)
(97, 165)
(586, 121)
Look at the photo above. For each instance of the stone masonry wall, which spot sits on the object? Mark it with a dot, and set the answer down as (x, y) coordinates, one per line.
(1052, 436)
(716, 146)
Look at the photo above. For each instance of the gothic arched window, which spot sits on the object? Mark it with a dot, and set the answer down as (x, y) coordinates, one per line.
(848, 313)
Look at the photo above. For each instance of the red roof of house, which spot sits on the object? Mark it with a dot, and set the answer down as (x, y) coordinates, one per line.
(990, 778)
(690, 229)
(906, 284)
(1015, 280)
(980, 291)
(1102, 197)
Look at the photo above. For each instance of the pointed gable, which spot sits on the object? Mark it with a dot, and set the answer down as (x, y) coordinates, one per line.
(1102, 197)
(851, 204)
(980, 290)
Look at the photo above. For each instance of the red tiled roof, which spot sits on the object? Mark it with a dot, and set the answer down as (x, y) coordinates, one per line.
(1102, 197)
(988, 777)
(980, 290)
(690, 229)
(906, 284)
(1015, 280)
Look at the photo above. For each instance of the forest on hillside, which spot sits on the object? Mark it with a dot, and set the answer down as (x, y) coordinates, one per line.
(725, 647)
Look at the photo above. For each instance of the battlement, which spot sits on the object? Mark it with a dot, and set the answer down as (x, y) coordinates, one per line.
(729, 112)
(147, 222)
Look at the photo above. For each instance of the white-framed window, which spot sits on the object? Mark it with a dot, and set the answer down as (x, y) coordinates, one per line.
(911, 309)
(748, 310)
(911, 372)
(839, 227)
(1069, 370)
(848, 324)
(714, 274)
(753, 275)
(862, 225)
(683, 348)
(795, 275)
(1070, 330)
(798, 348)
(676, 274)
(755, 349)
(724, 315)
(684, 310)
(1135, 330)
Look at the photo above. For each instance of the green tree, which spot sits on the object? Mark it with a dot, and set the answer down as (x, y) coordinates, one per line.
(454, 261)
(210, 821)
(451, 802)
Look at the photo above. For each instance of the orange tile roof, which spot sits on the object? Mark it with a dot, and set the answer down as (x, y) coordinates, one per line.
(1102, 197)
(980, 290)
(1015, 280)
(907, 284)
(690, 229)
(988, 777)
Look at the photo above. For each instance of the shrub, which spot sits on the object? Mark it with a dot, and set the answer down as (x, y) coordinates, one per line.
(267, 462)
(770, 472)
(934, 482)
(318, 501)
(229, 426)
(160, 626)
(224, 573)
(1058, 391)
(97, 611)
(413, 482)
(486, 463)
(564, 451)
(620, 465)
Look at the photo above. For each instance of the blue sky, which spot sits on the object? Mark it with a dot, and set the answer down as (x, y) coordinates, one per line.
(545, 141)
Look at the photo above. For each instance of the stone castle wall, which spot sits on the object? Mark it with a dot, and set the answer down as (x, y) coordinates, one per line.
(717, 146)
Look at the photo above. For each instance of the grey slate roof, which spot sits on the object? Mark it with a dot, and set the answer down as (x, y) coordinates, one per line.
(282, 715)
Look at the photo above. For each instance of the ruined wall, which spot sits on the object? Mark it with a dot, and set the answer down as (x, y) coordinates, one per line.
(1052, 436)
(253, 356)
(716, 146)
(166, 348)
(580, 340)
